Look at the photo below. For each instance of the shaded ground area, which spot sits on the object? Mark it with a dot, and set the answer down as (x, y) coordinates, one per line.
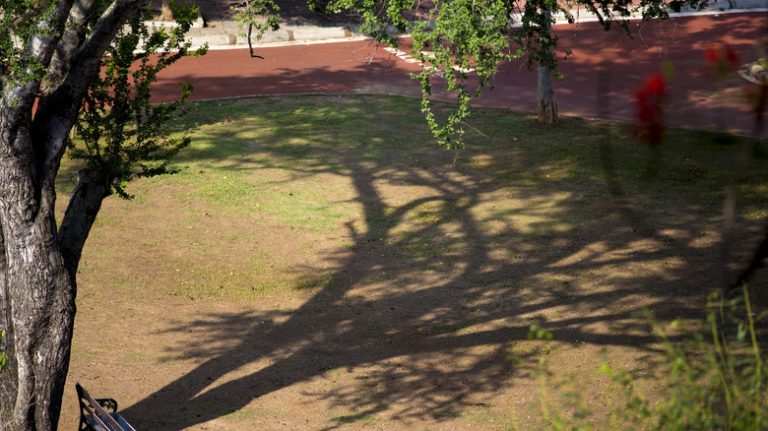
(319, 264)
(607, 60)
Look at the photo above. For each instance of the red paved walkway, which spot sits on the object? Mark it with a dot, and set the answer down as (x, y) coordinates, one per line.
(696, 100)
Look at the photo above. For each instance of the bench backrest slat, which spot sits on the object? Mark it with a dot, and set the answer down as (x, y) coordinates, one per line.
(100, 415)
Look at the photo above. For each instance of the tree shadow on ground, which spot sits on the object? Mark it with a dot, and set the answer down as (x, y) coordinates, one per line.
(451, 265)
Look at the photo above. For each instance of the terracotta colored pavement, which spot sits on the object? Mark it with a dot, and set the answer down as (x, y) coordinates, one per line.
(607, 63)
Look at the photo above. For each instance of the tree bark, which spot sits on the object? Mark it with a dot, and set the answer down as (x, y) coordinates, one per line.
(38, 264)
(91, 189)
(8, 382)
(166, 14)
(546, 96)
(38, 295)
(38, 285)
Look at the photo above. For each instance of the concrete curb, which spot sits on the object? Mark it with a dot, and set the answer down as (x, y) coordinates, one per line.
(229, 34)
(285, 35)
(740, 6)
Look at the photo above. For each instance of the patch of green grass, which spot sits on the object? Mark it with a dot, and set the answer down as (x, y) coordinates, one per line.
(364, 420)
(488, 416)
(137, 356)
(204, 281)
(243, 414)
(316, 281)
(223, 191)
(303, 208)
(420, 247)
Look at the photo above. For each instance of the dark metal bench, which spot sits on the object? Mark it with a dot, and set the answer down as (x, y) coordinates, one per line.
(94, 416)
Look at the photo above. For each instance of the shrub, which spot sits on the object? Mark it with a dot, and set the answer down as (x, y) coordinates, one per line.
(716, 380)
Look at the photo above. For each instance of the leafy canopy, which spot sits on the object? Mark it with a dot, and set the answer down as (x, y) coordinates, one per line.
(462, 42)
(121, 133)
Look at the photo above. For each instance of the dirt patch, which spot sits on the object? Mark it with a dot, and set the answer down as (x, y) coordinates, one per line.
(315, 269)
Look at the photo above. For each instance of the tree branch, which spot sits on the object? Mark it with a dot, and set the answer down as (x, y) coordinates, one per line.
(71, 40)
(592, 8)
(57, 112)
(43, 40)
(91, 189)
(20, 89)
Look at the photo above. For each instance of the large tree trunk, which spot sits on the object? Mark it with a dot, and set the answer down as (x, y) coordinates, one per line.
(38, 268)
(38, 295)
(37, 264)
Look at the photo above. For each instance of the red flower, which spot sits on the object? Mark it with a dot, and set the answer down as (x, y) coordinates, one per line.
(711, 55)
(649, 99)
(655, 85)
(722, 59)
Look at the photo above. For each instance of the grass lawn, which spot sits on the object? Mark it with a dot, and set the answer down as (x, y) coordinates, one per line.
(319, 263)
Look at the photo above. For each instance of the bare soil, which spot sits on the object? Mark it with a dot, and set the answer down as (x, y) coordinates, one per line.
(407, 309)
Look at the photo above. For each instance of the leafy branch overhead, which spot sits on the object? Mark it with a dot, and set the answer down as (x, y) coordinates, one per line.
(120, 133)
(462, 42)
